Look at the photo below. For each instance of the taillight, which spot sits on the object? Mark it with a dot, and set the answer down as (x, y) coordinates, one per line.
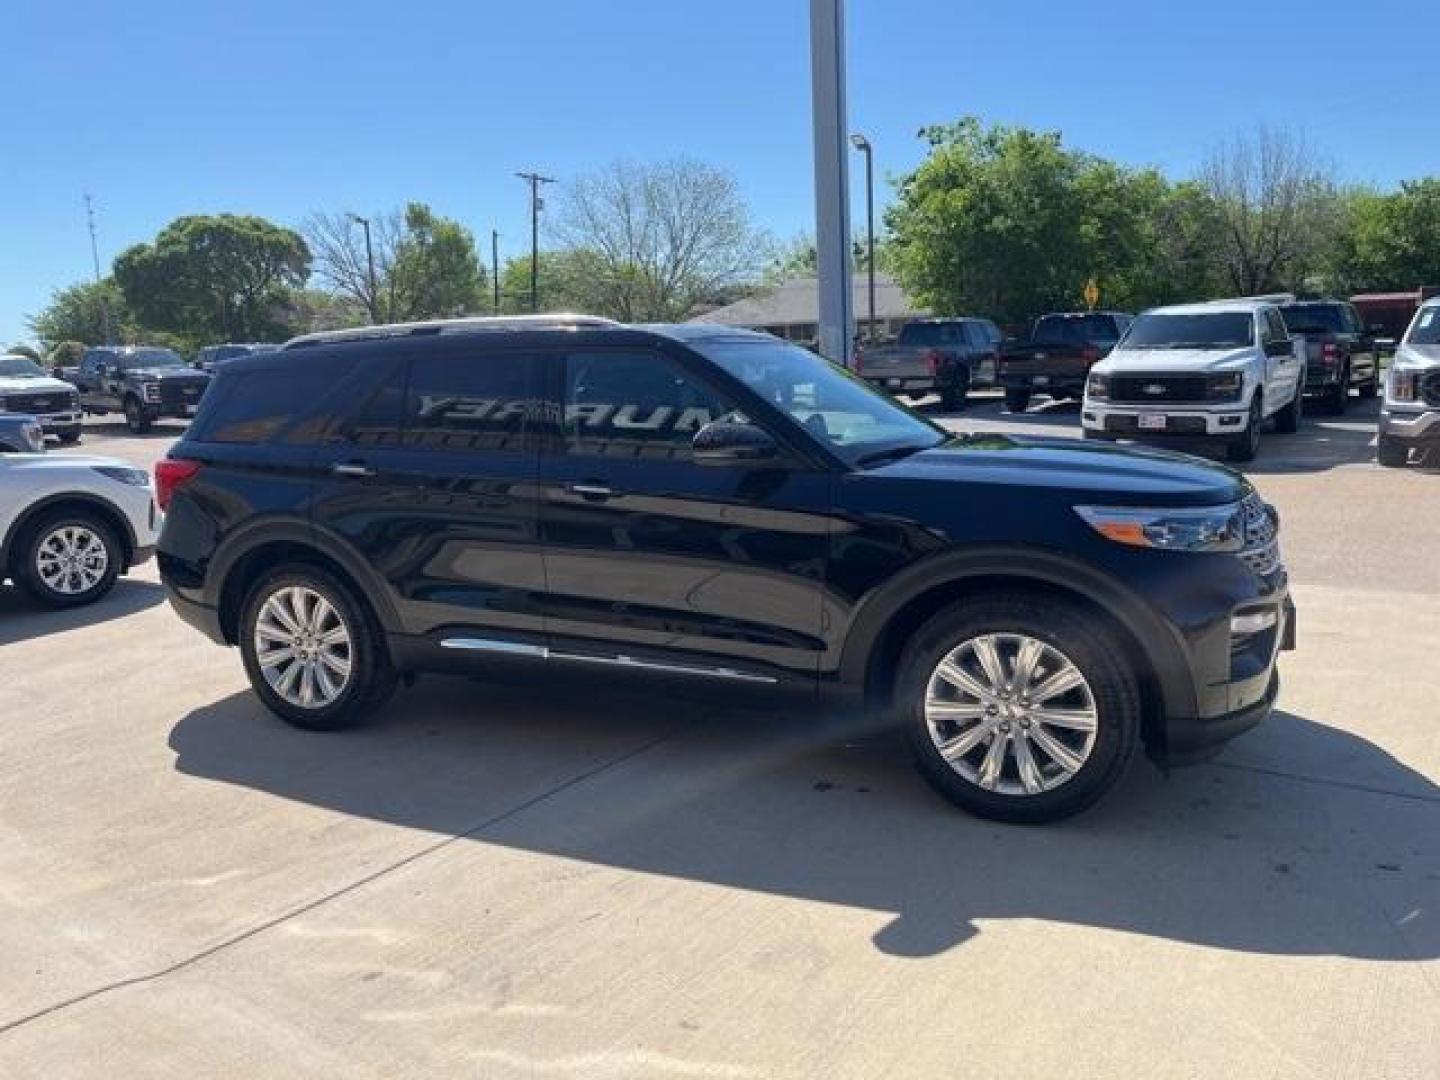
(171, 474)
(1331, 352)
(932, 360)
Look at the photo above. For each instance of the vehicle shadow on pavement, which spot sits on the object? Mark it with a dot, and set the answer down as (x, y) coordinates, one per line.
(21, 619)
(1342, 860)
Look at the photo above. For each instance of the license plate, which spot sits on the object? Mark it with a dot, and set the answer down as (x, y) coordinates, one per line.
(1042, 380)
(191, 410)
(895, 384)
(1152, 422)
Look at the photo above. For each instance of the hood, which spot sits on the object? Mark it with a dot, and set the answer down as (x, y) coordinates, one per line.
(1098, 472)
(169, 374)
(1179, 361)
(40, 384)
(1418, 356)
(53, 462)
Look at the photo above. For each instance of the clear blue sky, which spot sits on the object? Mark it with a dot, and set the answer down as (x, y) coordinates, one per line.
(168, 107)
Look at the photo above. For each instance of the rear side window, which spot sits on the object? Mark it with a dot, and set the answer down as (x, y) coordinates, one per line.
(473, 402)
(257, 406)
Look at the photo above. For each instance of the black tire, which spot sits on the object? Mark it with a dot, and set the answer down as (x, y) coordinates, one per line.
(70, 436)
(1086, 641)
(1392, 452)
(137, 420)
(1287, 420)
(954, 397)
(1017, 399)
(1337, 397)
(1246, 445)
(372, 677)
(1370, 388)
(25, 557)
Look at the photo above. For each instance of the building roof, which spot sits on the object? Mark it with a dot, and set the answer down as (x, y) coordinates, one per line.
(797, 301)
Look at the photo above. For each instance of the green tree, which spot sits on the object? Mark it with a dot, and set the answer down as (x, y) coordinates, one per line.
(1388, 240)
(436, 270)
(214, 277)
(92, 312)
(991, 222)
(566, 283)
(66, 354)
(21, 349)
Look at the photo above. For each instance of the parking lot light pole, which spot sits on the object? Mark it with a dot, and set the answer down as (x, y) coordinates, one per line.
(861, 143)
(495, 267)
(364, 223)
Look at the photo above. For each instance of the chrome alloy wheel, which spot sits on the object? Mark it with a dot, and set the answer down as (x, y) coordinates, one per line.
(303, 647)
(1011, 714)
(71, 559)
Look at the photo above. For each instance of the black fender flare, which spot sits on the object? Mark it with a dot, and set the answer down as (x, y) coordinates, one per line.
(39, 506)
(260, 532)
(1163, 646)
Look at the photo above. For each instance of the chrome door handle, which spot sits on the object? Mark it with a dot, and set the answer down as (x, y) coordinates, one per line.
(351, 468)
(592, 491)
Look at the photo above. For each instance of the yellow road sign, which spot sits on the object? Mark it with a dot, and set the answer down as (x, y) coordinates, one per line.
(1092, 293)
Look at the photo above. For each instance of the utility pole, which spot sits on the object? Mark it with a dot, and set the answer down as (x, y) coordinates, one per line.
(861, 143)
(95, 261)
(535, 180)
(832, 180)
(495, 266)
(364, 223)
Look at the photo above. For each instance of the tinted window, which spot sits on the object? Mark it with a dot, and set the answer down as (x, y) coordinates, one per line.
(151, 358)
(1314, 318)
(930, 334)
(473, 401)
(1075, 329)
(19, 366)
(257, 406)
(1426, 328)
(1276, 330)
(1191, 330)
(635, 405)
(836, 408)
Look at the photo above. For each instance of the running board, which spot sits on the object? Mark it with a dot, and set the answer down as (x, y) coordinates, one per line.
(542, 652)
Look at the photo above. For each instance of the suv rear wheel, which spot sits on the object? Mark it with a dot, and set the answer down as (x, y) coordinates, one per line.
(67, 558)
(1019, 708)
(312, 651)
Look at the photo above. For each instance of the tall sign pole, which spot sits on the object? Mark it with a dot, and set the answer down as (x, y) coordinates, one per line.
(535, 180)
(832, 179)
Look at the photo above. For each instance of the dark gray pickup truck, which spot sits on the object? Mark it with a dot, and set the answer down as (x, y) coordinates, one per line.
(1341, 351)
(934, 356)
(1057, 356)
(143, 382)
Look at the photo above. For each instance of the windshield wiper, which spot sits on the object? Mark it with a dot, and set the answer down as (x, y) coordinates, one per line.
(890, 453)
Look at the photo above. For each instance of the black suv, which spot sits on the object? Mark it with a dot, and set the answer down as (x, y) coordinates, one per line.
(716, 508)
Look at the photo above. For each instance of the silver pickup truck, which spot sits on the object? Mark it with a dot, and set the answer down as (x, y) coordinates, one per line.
(934, 356)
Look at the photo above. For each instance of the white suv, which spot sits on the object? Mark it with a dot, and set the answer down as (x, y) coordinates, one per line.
(70, 525)
(1202, 371)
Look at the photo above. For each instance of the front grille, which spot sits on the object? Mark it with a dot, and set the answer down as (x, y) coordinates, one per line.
(1429, 387)
(1174, 425)
(177, 395)
(1262, 536)
(52, 401)
(1157, 388)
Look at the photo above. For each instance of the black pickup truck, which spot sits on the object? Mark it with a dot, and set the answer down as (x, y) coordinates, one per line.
(1057, 356)
(143, 382)
(1341, 352)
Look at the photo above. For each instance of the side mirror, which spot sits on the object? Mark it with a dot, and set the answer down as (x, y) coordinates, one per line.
(724, 442)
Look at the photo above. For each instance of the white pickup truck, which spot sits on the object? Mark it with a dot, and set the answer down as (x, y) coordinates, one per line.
(1213, 372)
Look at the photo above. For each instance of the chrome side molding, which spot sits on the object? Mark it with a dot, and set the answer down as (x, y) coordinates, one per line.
(541, 652)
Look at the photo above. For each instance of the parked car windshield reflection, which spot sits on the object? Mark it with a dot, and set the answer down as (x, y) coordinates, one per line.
(1426, 330)
(844, 413)
(20, 367)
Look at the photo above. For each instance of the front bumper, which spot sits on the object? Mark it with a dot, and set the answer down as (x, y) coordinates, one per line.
(1043, 384)
(1183, 420)
(1417, 426)
(55, 423)
(905, 384)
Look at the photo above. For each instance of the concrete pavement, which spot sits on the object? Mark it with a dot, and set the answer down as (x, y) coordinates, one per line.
(495, 882)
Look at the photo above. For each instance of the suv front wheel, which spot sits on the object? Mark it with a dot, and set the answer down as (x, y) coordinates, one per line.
(1019, 708)
(312, 651)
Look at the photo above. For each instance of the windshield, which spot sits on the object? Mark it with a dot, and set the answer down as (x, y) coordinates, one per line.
(1073, 329)
(1426, 328)
(19, 367)
(1197, 330)
(1314, 318)
(152, 358)
(844, 413)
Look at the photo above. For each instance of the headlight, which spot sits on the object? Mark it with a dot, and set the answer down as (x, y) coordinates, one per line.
(1206, 528)
(133, 477)
(1403, 385)
(1227, 387)
(1097, 387)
